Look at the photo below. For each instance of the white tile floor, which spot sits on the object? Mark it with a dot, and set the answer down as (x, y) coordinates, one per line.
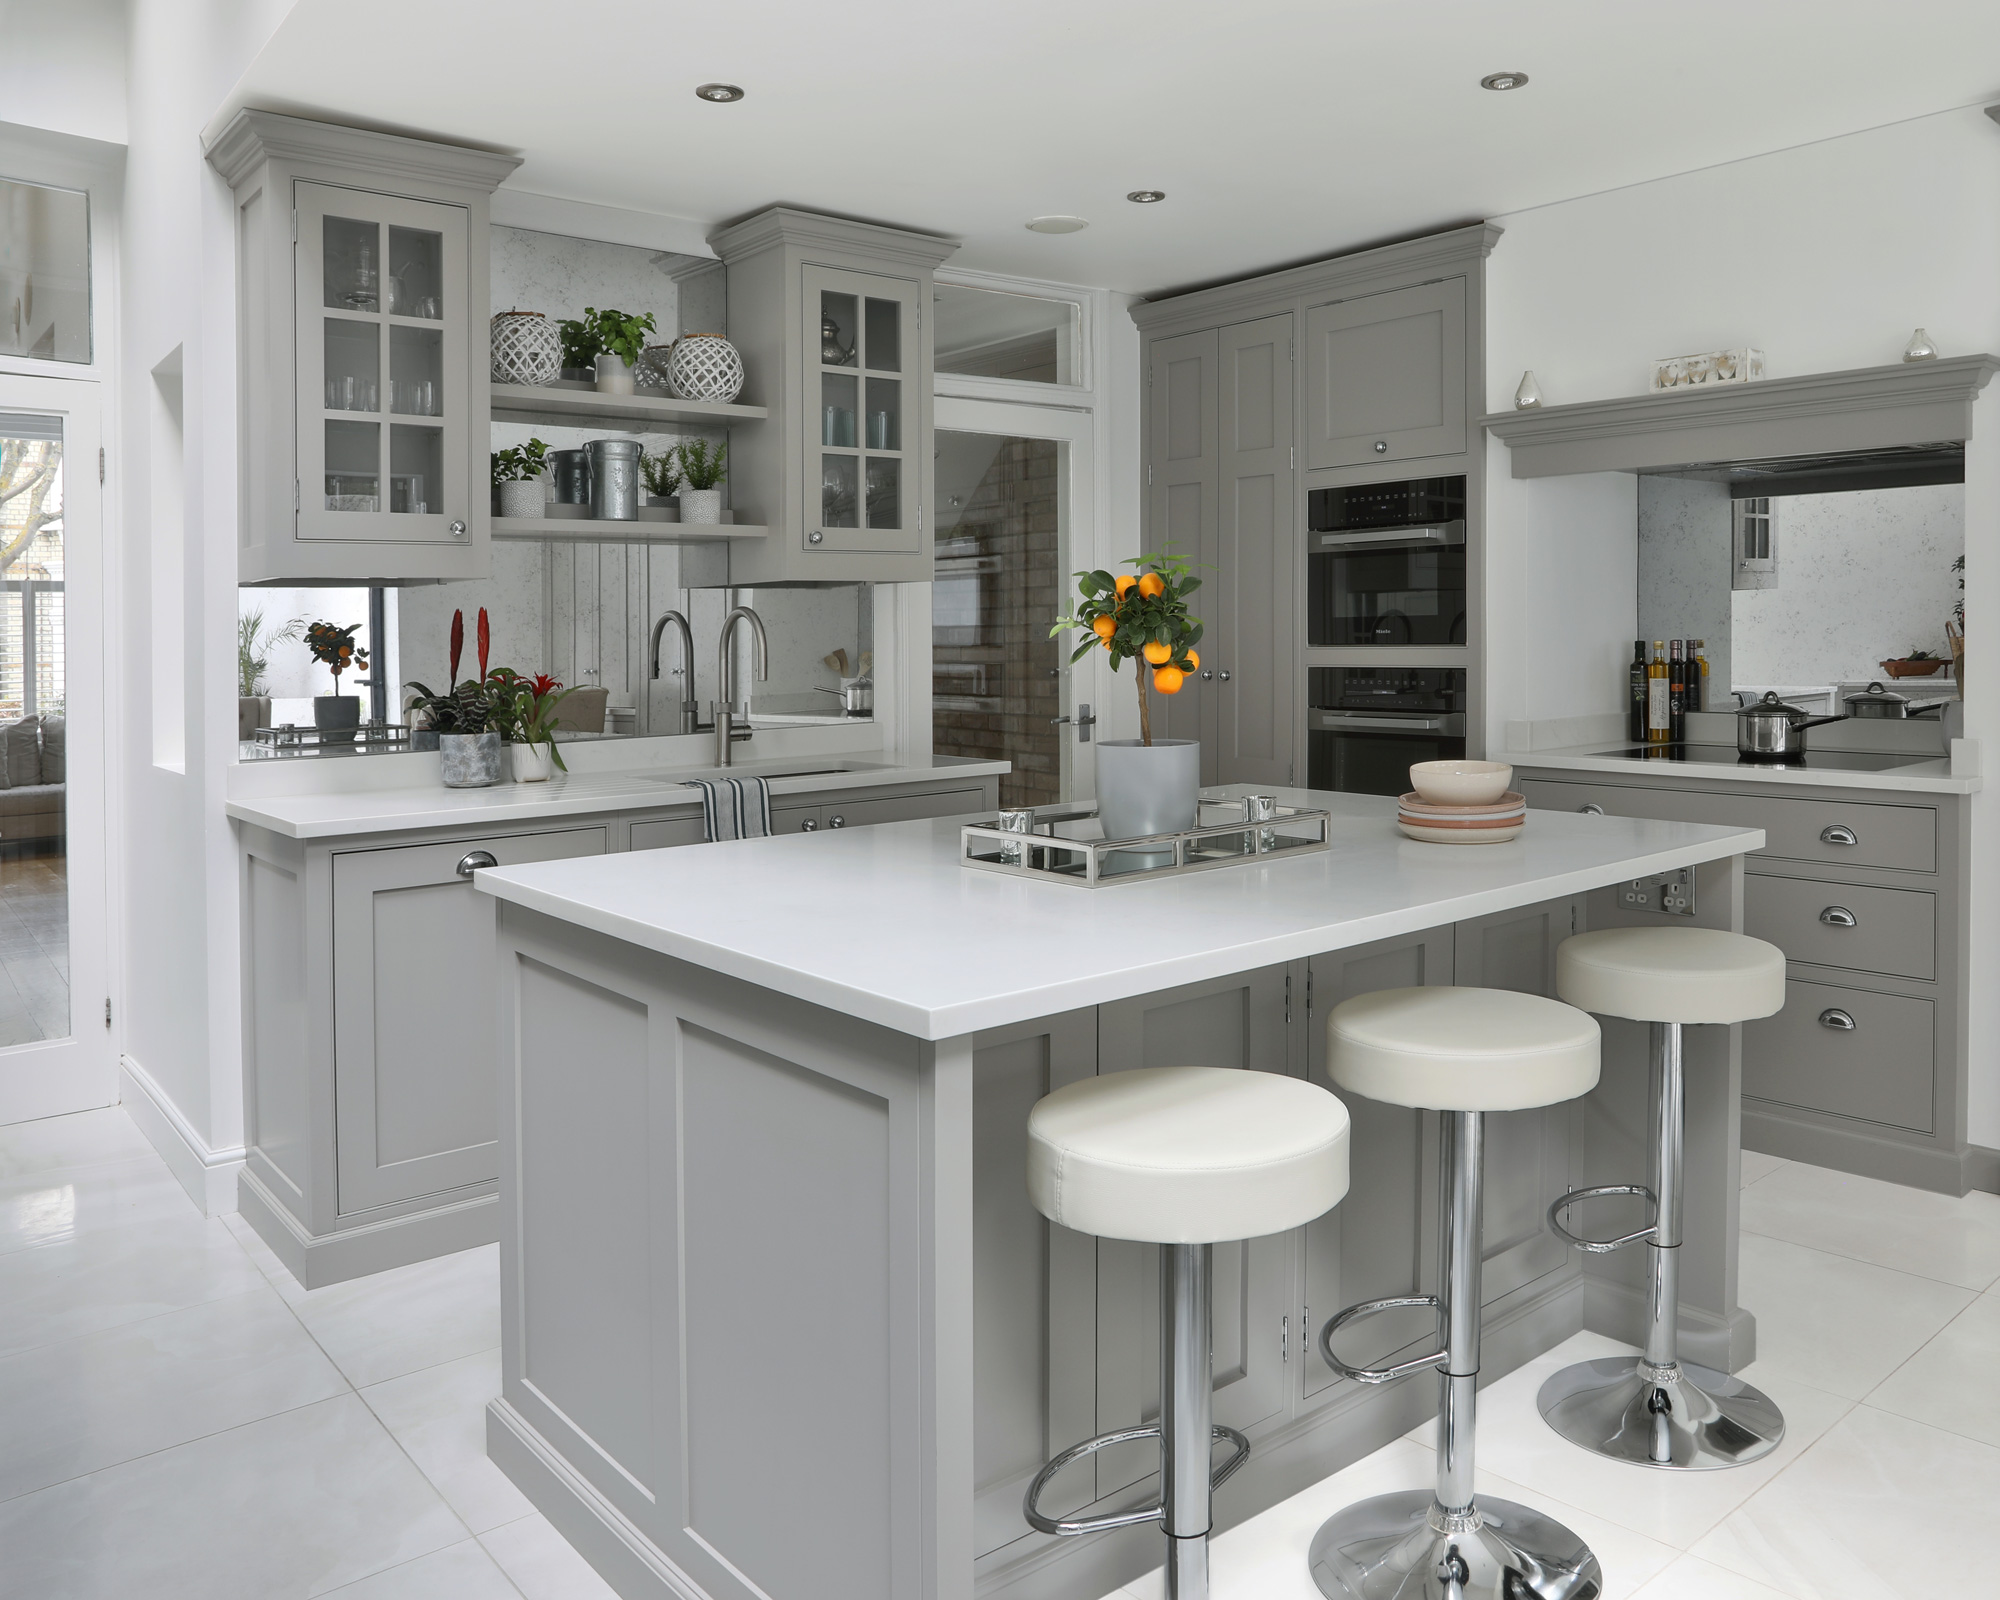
(180, 1419)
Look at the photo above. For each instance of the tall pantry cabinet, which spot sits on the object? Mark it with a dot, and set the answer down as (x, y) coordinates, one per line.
(1360, 369)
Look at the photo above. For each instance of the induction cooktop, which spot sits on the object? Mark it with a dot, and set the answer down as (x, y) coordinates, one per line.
(1728, 755)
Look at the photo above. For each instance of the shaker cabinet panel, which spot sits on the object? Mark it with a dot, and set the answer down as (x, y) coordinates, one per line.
(864, 385)
(413, 1014)
(1386, 376)
(1184, 468)
(1846, 1052)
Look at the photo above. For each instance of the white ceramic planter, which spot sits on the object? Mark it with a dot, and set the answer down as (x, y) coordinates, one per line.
(521, 499)
(701, 505)
(614, 376)
(533, 763)
(1145, 789)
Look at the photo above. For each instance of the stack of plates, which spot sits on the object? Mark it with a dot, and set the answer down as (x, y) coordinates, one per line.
(1494, 823)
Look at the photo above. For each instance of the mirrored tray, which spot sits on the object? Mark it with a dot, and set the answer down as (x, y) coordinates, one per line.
(1066, 844)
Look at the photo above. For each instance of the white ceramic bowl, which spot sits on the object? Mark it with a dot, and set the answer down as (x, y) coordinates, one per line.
(1461, 783)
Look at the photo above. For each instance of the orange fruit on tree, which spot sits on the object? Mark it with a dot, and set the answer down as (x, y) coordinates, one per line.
(1125, 581)
(1168, 680)
(1158, 654)
(1193, 660)
(1151, 584)
(1104, 627)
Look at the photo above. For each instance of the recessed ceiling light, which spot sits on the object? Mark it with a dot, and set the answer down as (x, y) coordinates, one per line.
(1503, 80)
(1147, 197)
(1057, 225)
(720, 93)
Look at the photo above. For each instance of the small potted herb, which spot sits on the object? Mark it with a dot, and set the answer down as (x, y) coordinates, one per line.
(701, 470)
(462, 719)
(336, 715)
(662, 475)
(530, 709)
(517, 474)
(609, 341)
(253, 645)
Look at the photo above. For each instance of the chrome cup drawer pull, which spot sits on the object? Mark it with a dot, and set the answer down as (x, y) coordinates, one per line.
(473, 860)
(1836, 834)
(1834, 1017)
(1591, 809)
(1838, 917)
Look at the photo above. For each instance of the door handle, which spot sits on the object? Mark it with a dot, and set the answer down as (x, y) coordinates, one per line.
(473, 860)
(1836, 834)
(1833, 1017)
(1838, 917)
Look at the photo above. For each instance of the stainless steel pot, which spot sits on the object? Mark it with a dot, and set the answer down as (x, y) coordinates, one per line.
(1769, 727)
(856, 696)
(1876, 701)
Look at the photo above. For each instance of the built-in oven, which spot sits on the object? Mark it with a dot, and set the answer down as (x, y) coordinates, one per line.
(1366, 726)
(1386, 563)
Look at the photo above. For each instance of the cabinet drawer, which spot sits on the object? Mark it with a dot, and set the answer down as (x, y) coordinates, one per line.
(901, 808)
(1899, 838)
(1386, 376)
(1892, 931)
(1880, 1070)
(661, 833)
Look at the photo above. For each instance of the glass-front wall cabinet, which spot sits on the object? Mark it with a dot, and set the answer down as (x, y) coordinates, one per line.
(383, 431)
(863, 483)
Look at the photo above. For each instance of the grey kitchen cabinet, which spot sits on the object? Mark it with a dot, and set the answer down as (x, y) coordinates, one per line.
(1385, 376)
(1183, 476)
(1865, 1068)
(829, 317)
(663, 833)
(413, 999)
(362, 348)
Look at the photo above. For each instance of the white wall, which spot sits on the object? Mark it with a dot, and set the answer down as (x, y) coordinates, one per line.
(1825, 257)
(64, 66)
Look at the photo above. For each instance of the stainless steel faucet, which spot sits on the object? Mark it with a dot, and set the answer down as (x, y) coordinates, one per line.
(725, 707)
(690, 709)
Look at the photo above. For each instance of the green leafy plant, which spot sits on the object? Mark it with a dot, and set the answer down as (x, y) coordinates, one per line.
(335, 649)
(1958, 605)
(525, 710)
(1919, 655)
(253, 645)
(661, 472)
(1144, 617)
(702, 468)
(463, 707)
(598, 333)
(520, 463)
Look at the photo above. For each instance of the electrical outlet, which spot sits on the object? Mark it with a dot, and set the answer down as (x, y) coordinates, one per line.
(1671, 894)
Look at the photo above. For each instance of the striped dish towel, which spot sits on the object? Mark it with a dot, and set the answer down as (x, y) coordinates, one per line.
(735, 808)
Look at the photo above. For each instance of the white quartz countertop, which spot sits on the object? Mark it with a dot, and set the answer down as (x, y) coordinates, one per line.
(1933, 776)
(882, 923)
(330, 815)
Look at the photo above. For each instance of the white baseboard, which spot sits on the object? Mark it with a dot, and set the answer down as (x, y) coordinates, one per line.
(208, 1175)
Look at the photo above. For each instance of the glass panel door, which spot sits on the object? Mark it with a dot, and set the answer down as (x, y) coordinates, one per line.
(863, 472)
(384, 440)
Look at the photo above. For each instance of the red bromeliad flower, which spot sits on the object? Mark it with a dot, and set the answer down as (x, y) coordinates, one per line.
(542, 684)
(457, 644)
(485, 642)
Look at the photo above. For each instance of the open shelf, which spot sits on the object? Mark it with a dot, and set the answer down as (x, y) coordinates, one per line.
(604, 530)
(519, 402)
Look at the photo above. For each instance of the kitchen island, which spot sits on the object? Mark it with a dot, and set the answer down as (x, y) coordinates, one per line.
(778, 1318)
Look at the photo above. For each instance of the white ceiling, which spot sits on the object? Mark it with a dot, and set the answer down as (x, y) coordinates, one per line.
(1280, 129)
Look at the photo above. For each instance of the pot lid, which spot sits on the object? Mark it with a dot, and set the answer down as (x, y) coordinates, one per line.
(1771, 707)
(1876, 693)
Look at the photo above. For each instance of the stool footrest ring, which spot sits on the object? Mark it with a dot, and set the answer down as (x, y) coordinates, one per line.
(1602, 1191)
(1070, 1526)
(1368, 1308)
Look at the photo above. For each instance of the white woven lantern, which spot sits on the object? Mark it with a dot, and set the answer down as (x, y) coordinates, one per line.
(650, 373)
(705, 366)
(526, 348)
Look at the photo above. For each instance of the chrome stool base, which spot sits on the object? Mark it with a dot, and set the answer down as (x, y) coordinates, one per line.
(1393, 1548)
(1683, 1416)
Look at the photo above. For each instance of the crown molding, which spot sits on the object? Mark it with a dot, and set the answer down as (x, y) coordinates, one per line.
(1917, 402)
(787, 225)
(251, 138)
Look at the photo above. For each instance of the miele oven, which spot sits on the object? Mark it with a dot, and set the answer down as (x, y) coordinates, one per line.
(1367, 725)
(1386, 563)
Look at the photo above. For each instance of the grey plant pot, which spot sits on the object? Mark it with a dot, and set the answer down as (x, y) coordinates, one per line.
(471, 760)
(423, 738)
(253, 711)
(1146, 789)
(337, 716)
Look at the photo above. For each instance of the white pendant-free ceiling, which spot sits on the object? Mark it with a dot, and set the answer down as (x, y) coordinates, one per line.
(1280, 130)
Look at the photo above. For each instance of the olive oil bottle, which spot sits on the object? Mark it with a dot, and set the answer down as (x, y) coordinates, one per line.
(1659, 706)
(1635, 694)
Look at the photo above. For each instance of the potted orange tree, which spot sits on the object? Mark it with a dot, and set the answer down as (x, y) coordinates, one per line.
(1144, 785)
(336, 715)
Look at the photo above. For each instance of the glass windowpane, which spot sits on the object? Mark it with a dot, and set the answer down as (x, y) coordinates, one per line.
(416, 371)
(837, 407)
(415, 285)
(885, 335)
(352, 264)
(416, 468)
(885, 492)
(353, 365)
(839, 492)
(44, 272)
(885, 414)
(353, 466)
(984, 333)
(839, 337)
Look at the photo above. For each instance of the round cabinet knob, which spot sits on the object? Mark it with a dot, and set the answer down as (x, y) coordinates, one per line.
(1381, 447)
(1836, 834)
(1840, 1021)
(473, 860)
(1838, 917)
(1224, 676)
(1591, 809)
(836, 822)
(810, 825)
(457, 529)
(1207, 675)
(815, 537)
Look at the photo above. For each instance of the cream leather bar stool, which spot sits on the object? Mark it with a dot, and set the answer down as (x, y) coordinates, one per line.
(1463, 1053)
(1660, 1411)
(1181, 1157)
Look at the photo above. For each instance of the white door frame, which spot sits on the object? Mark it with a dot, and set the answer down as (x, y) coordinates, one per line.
(55, 1076)
(1087, 681)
